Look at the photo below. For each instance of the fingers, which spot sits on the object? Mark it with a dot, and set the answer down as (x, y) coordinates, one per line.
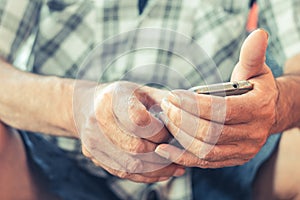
(139, 178)
(128, 151)
(186, 158)
(124, 141)
(109, 128)
(211, 108)
(252, 56)
(125, 164)
(151, 170)
(143, 124)
(122, 160)
(131, 114)
(154, 96)
(163, 172)
(180, 122)
(120, 172)
(201, 154)
(229, 110)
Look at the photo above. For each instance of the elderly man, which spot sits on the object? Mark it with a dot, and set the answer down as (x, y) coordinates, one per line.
(57, 109)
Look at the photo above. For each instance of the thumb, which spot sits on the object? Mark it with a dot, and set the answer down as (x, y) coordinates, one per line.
(252, 56)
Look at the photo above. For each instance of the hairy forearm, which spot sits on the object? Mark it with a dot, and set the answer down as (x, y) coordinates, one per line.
(288, 105)
(36, 103)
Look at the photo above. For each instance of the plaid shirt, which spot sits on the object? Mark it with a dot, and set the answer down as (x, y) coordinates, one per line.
(63, 33)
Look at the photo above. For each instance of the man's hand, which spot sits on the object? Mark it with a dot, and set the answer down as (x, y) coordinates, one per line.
(119, 133)
(224, 131)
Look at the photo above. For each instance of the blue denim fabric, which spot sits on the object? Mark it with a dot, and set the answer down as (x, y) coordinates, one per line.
(70, 182)
(62, 175)
(231, 183)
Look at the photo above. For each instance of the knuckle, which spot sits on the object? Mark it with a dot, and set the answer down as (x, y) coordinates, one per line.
(96, 162)
(206, 151)
(90, 143)
(183, 161)
(260, 137)
(103, 97)
(202, 163)
(218, 109)
(263, 139)
(189, 161)
(100, 110)
(208, 132)
(86, 153)
(212, 154)
(141, 118)
(215, 131)
(268, 107)
(140, 147)
(135, 166)
(116, 86)
(228, 134)
(175, 115)
(123, 174)
(202, 132)
(137, 147)
(230, 110)
(251, 151)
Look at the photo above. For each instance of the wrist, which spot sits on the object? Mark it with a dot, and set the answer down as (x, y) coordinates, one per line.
(36, 103)
(65, 87)
(288, 104)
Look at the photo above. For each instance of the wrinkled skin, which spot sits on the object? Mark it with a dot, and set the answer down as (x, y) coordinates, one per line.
(224, 131)
(119, 133)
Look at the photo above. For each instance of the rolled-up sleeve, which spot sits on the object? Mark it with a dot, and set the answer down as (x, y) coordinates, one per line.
(18, 19)
(281, 18)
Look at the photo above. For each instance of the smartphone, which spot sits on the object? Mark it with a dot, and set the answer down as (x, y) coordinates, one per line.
(224, 89)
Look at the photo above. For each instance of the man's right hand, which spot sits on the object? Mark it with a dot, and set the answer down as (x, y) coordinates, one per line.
(119, 133)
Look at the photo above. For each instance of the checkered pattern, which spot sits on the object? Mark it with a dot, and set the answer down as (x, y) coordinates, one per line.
(65, 32)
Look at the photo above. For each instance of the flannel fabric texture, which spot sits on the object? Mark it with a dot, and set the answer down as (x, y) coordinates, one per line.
(64, 32)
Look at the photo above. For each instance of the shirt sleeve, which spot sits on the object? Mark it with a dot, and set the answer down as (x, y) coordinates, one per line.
(18, 19)
(281, 19)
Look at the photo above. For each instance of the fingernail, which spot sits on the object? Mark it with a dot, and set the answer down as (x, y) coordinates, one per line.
(266, 32)
(162, 152)
(173, 98)
(179, 172)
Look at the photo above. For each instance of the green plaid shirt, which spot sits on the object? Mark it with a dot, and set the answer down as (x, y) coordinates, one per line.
(65, 31)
